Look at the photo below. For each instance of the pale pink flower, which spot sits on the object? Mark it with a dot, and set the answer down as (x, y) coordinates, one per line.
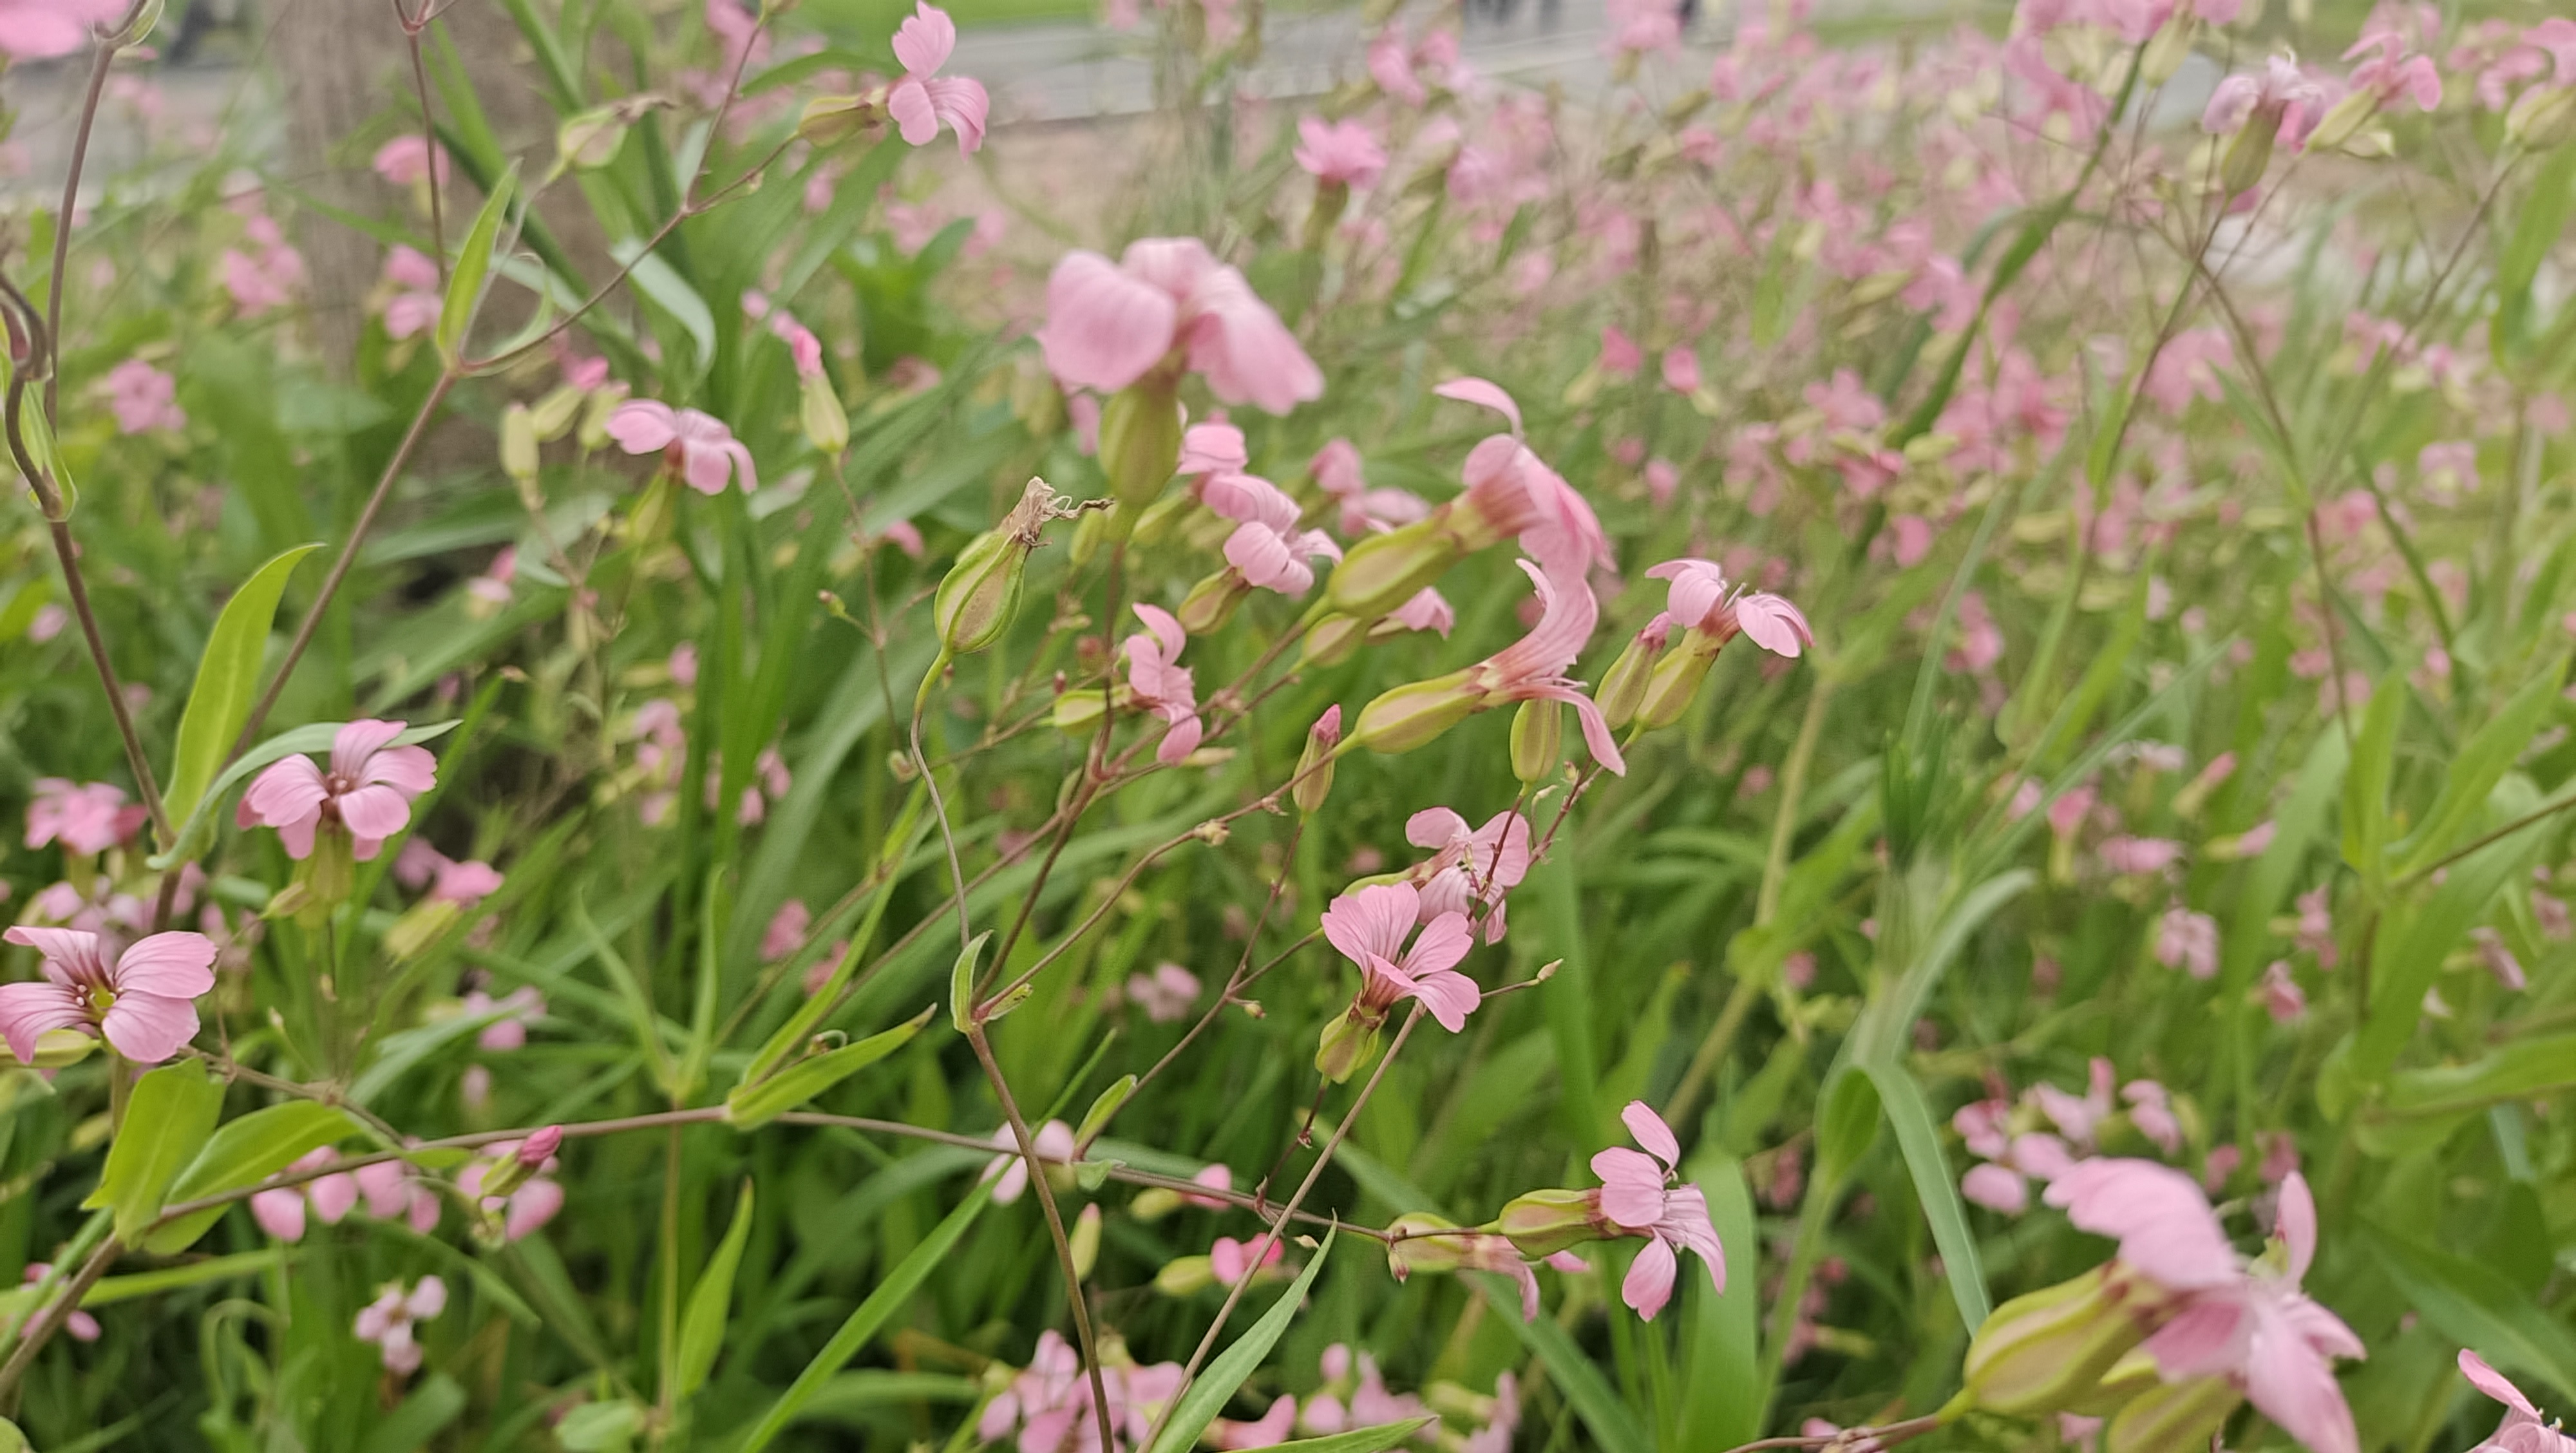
(1638, 1195)
(2282, 97)
(2187, 368)
(367, 790)
(2499, 959)
(1996, 1187)
(1343, 152)
(1533, 667)
(258, 284)
(2522, 1431)
(393, 1190)
(1267, 1431)
(2151, 1111)
(1515, 493)
(1390, 64)
(1215, 1178)
(465, 884)
(2392, 71)
(517, 1010)
(2077, 1117)
(1109, 324)
(1336, 468)
(144, 399)
(85, 818)
(1699, 599)
(923, 100)
(2125, 854)
(492, 587)
(410, 159)
(1161, 686)
(1213, 448)
(1620, 356)
(1231, 1260)
(143, 1004)
(1269, 548)
(2188, 941)
(1054, 1142)
(1681, 371)
(388, 1321)
(2282, 997)
(1165, 995)
(1639, 26)
(1469, 870)
(80, 1325)
(526, 1210)
(698, 447)
(42, 29)
(786, 931)
(1370, 927)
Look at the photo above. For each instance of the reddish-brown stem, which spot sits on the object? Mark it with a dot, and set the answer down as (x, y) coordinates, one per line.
(51, 1319)
(412, 29)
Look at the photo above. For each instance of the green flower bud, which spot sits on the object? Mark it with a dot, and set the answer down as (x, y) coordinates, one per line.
(519, 443)
(1330, 641)
(2170, 48)
(826, 423)
(1184, 1276)
(591, 139)
(1153, 1204)
(1140, 442)
(2543, 117)
(56, 1048)
(1623, 686)
(1543, 1223)
(1211, 602)
(1347, 1044)
(1084, 1242)
(1384, 571)
(1414, 715)
(553, 415)
(1330, 199)
(1090, 533)
(1538, 740)
(1674, 682)
(2344, 119)
(593, 433)
(2249, 155)
(1314, 779)
(1408, 1251)
(1078, 711)
(831, 120)
(420, 927)
(2172, 1415)
(2047, 1351)
(1158, 520)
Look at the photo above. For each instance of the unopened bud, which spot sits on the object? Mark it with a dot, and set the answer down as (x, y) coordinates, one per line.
(539, 1148)
(1158, 519)
(1384, 571)
(1184, 1276)
(519, 443)
(2170, 48)
(593, 433)
(1415, 714)
(2172, 1415)
(1538, 740)
(981, 592)
(1348, 1043)
(1211, 602)
(1140, 443)
(826, 423)
(1314, 779)
(2248, 155)
(1153, 1204)
(1623, 686)
(1078, 711)
(1543, 1223)
(2543, 117)
(831, 120)
(2045, 1352)
(591, 139)
(1674, 682)
(56, 1048)
(2343, 119)
(1085, 1241)
(1409, 1251)
(1330, 641)
(421, 926)
(553, 415)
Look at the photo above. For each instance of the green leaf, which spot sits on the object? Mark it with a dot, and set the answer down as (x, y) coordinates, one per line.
(2365, 786)
(465, 284)
(702, 1328)
(2542, 226)
(198, 832)
(1722, 1399)
(2416, 940)
(1846, 1126)
(1918, 1136)
(961, 982)
(2296, 825)
(2524, 1069)
(1095, 1119)
(246, 1152)
(1204, 1398)
(890, 1297)
(431, 1407)
(114, 1289)
(662, 283)
(2481, 1310)
(1358, 1440)
(2480, 764)
(1614, 1424)
(751, 1106)
(167, 1119)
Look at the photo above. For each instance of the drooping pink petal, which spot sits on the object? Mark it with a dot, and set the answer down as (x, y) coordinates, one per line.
(1483, 392)
(28, 1010)
(333, 1196)
(909, 104)
(2289, 1381)
(2297, 1226)
(2495, 1385)
(148, 1028)
(1104, 327)
(1649, 1283)
(961, 103)
(1450, 997)
(642, 426)
(374, 812)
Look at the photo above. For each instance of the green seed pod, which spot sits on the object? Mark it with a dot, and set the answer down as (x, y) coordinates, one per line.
(2047, 1351)
(1415, 715)
(2172, 1415)
(519, 443)
(1543, 1223)
(1140, 443)
(981, 592)
(1384, 571)
(1538, 740)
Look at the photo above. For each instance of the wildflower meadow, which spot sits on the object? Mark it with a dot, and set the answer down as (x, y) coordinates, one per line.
(1738, 728)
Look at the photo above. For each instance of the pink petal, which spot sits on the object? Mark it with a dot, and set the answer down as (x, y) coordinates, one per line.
(924, 42)
(359, 740)
(1773, 624)
(1485, 392)
(2294, 1385)
(1180, 741)
(148, 1028)
(2494, 1384)
(1649, 1284)
(1597, 737)
(909, 104)
(641, 426)
(1449, 997)
(289, 790)
(1997, 1188)
(2207, 1338)
(531, 1208)
(1652, 1133)
(1443, 943)
(333, 1196)
(374, 812)
(280, 1213)
(1246, 354)
(73, 949)
(1632, 1187)
(961, 103)
(1166, 628)
(1104, 328)
(1372, 923)
(411, 769)
(2297, 1226)
(28, 1010)
(174, 965)
(1434, 827)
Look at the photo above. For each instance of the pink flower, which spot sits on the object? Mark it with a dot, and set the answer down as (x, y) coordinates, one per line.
(81, 1325)
(2520, 1432)
(2158, 1215)
(698, 447)
(2187, 368)
(1469, 868)
(1639, 26)
(1698, 598)
(465, 884)
(1213, 448)
(143, 1004)
(258, 284)
(1109, 324)
(1997, 1188)
(2391, 71)
(523, 1212)
(1269, 548)
(1512, 492)
(1638, 1195)
(393, 1190)
(144, 399)
(1231, 1260)
(2188, 941)
(2282, 98)
(1215, 1178)
(786, 931)
(1054, 1142)
(1681, 371)
(2151, 1111)
(2282, 997)
(41, 29)
(367, 791)
(1336, 468)
(86, 819)
(1165, 995)
(1369, 928)
(1162, 687)
(924, 99)
(1267, 1431)
(2124, 854)
(491, 589)
(413, 303)
(410, 159)
(388, 1320)
(517, 1010)
(1345, 153)
(1533, 667)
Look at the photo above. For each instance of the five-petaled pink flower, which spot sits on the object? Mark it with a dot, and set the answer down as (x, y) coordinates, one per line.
(2249, 1326)
(1269, 548)
(2522, 1431)
(1533, 667)
(388, 1320)
(1700, 599)
(1343, 152)
(1369, 928)
(143, 1004)
(924, 99)
(367, 790)
(85, 819)
(1162, 687)
(1638, 1196)
(697, 446)
(1165, 301)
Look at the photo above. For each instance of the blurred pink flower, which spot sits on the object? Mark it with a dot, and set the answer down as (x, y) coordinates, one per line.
(786, 931)
(389, 1319)
(2188, 941)
(1638, 1195)
(1342, 152)
(1109, 324)
(1512, 492)
(923, 100)
(1054, 1144)
(85, 818)
(143, 1004)
(1213, 448)
(409, 159)
(2187, 368)
(1681, 371)
(1469, 868)
(144, 399)
(2282, 98)
(2282, 997)
(517, 1010)
(1167, 994)
(1620, 356)
(2125, 854)
(698, 447)
(1370, 927)
(367, 791)
(524, 1211)
(1163, 687)
(80, 1325)
(1231, 1260)
(1336, 468)
(2392, 70)
(42, 29)
(1270, 547)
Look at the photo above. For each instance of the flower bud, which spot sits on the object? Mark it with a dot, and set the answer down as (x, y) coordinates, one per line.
(1078, 711)
(819, 411)
(323, 881)
(1384, 571)
(1330, 198)
(1090, 534)
(649, 520)
(593, 433)
(1543, 1223)
(2543, 117)
(1674, 682)
(539, 1148)
(1157, 521)
(1413, 715)
(2047, 1351)
(1348, 1043)
(591, 139)
(1085, 1241)
(56, 1048)
(1409, 1251)
(1211, 602)
(2345, 118)
(1140, 443)
(552, 416)
(1623, 686)
(1314, 780)
(1330, 641)
(831, 120)
(2172, 1415)
(2248, 155)
(519, 443)
(1538, 740)
(2169, 49)
(1185, 1276)
(981, 592)
(419, 929)
(1153, 1204)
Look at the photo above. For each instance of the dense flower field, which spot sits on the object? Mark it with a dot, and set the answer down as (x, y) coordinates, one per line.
(1858, 740)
